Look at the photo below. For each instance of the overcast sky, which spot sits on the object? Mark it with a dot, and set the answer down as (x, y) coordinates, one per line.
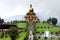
(43, 8)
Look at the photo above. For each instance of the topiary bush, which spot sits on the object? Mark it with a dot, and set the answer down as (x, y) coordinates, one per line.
(48, 27)
(51, 32)
(44, 27)
(39, 37)
(45, 38)
(41, 27)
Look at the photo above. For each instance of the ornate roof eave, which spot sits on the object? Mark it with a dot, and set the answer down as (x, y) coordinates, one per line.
(30, 14)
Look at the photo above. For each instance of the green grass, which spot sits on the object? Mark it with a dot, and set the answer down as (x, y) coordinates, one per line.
(49, 39)
(45, 27)
(22, 25)
(5, 38)
(22, 36)
(40, 27)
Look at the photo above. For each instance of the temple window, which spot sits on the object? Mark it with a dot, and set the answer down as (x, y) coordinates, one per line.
(35, 18)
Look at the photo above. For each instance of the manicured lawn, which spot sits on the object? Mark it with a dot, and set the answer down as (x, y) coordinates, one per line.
(40, 27)
(22, 36)
(4, 38)
(22, 25)
(49, 39)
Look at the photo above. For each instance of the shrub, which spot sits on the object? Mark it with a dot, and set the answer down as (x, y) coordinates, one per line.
(48, 27)
(42, 32)
(41, 27)
(35, 38)
(39, 37)
(56, 33)
(38, 27)
(34, 32)
(45, 38)
(6, 36)
(44, 27)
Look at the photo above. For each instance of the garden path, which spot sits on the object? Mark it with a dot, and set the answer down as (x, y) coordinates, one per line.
(30, 28)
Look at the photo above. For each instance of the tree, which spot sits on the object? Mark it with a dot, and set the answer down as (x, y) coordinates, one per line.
(1, 20)
(14, 21)
(38, 20)
(49, 20)
(54, 21)
(13, 33)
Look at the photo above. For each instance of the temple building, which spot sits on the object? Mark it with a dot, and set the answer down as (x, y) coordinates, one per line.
(31, 16)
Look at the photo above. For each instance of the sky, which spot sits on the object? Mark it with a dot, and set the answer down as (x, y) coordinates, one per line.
(43, 8)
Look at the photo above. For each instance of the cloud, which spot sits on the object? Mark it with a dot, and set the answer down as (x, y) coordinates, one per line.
(43, 8)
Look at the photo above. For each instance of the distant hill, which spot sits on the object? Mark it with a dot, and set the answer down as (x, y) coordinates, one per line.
(16, 17)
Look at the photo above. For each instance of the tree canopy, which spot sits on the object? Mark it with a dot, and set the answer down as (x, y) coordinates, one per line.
(1, 21)
(54, 21)
(13, 33)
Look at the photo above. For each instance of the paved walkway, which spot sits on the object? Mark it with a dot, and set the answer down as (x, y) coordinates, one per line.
(30, 35)
(30, 28)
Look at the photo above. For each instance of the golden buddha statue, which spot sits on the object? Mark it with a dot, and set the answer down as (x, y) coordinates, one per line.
(30, 9)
